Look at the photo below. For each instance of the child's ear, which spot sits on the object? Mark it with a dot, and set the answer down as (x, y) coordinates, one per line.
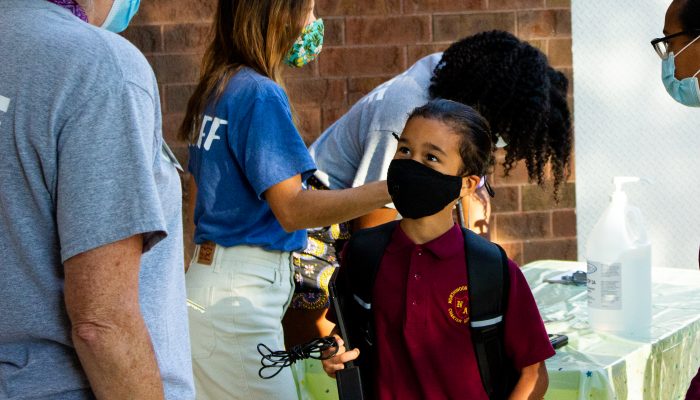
(469, 185)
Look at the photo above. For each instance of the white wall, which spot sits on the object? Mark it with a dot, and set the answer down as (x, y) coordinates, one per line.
(626, 124)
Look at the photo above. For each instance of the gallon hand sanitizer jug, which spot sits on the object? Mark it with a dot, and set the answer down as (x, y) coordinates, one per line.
(618, 253)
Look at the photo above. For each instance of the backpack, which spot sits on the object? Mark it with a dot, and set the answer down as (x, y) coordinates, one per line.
(488, 288)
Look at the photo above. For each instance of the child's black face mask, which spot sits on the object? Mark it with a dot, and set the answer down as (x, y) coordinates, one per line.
(418, 190)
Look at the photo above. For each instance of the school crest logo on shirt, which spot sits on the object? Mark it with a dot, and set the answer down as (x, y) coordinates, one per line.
(457, 303)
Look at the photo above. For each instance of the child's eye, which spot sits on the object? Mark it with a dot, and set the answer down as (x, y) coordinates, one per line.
(432, 158)
(404, 150)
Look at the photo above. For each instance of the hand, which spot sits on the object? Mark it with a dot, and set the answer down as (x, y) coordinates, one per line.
(337, 362)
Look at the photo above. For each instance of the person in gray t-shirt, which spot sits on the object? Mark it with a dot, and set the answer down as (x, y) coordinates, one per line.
(92, 295)
(507, 80)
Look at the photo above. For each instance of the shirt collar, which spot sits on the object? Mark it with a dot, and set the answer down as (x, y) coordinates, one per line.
(444, 246)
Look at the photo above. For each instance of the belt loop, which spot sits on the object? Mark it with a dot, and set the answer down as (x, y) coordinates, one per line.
(216, 263)
(195, 254)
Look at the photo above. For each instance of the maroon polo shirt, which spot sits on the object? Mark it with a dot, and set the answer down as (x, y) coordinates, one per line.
(421, 315)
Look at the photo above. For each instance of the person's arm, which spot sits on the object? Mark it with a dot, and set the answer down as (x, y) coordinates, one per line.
(296, 208)
(337, 362)
(374, 218)
(532, 384)
(108, 330)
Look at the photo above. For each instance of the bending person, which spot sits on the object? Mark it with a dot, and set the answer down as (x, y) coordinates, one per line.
(507, 80)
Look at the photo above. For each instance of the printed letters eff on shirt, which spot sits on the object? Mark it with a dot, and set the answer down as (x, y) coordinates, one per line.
(210, 125)
(4, 104)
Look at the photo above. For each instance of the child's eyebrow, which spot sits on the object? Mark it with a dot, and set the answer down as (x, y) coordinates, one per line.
(436, 148)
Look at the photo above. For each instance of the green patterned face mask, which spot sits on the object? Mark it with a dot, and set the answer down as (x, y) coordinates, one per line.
(307, 47)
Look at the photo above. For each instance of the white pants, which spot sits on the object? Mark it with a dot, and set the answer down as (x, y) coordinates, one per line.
(236, 299)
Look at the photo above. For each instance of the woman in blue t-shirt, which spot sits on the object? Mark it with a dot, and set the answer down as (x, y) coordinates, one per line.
(248, 164)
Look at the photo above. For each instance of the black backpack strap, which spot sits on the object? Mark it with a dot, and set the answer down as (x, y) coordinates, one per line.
(364, 253)
(489, 285)
(352, 285)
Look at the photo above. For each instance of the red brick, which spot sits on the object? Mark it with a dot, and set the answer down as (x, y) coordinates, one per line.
(354, 97)
(192, 38)
(537, 198)
(307, 71)
(332, 114)
(317, 92)
(309, 123)
(417, 52)
(181, 152)
(564, 223)
(507, 199)
(387, 30)
(560, 53)
(514, 250)
(553, 249)
(442, 5)
(515, 4)
(362, 61)
(334, 34)
(147, 38)
(456, 26)
(559, 4)
(170, 11)
(545, 23)
(358, 87)
(171, 124)
(357, 7)
(176, 68)
(524, 226)
(176, 97)
(540, 44)
(365, 85)
(516, 176)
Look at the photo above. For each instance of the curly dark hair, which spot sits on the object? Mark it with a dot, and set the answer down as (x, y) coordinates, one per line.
(690, 15)
(524, 99)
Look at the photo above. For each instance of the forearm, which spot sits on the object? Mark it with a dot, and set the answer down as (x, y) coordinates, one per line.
(313, 208)
(108, 330)
(532, 384)
(118, 359)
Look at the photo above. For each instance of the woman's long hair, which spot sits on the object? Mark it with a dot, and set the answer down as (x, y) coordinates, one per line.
(253, 33)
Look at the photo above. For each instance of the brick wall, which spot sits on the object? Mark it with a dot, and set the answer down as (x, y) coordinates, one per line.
(366, 43)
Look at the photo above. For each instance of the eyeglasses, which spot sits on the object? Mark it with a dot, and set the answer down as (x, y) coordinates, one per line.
(661, 44)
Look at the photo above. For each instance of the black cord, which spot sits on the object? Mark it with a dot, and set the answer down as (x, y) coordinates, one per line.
(282, 359)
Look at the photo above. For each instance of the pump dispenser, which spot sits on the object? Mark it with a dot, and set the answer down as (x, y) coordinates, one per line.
(618, 253)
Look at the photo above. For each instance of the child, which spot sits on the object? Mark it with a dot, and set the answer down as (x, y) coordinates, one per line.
(421, 346)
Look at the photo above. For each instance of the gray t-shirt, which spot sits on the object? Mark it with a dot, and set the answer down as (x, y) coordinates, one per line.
(82, 166)
(358, 148)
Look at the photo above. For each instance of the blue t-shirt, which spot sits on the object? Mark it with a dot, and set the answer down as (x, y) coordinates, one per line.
(247, 143)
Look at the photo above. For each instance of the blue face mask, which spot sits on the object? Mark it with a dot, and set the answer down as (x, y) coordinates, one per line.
(120, 15)
(684, 91)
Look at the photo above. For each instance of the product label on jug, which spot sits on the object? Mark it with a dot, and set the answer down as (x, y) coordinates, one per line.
(605, 285)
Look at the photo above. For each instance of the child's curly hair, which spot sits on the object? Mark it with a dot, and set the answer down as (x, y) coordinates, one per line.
(511, 84)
